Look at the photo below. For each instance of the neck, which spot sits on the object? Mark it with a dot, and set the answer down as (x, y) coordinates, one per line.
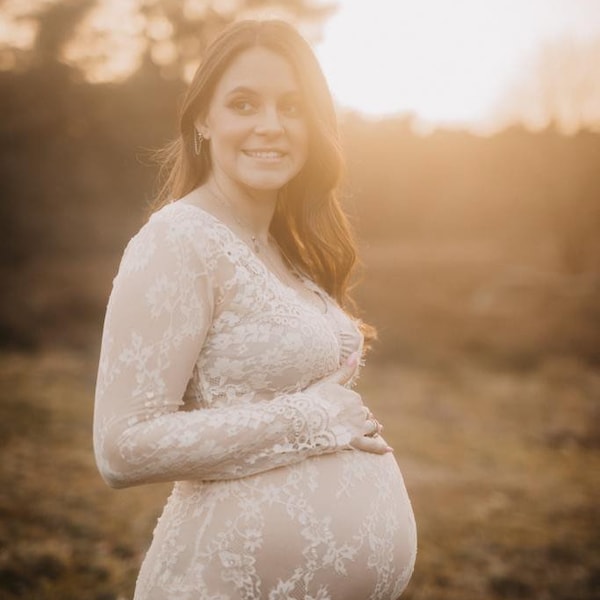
(252, 210)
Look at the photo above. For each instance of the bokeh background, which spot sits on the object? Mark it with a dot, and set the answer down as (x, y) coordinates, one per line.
(472, 137)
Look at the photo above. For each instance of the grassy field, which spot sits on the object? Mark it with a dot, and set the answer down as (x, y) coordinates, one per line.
(502, 467)
(494, 421)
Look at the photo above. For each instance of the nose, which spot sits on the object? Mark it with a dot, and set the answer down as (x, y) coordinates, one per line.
(269, 122)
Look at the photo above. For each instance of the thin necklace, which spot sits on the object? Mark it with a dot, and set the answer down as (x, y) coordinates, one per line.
(293, 274)
(289, 274)
(243, 225)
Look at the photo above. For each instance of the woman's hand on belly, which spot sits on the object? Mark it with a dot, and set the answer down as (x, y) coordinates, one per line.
(352, 412)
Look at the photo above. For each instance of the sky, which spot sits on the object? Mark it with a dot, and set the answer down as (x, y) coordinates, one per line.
(451, 62)
(474, 64)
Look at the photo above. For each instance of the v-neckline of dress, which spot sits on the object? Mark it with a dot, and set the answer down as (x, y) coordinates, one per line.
(308, 284)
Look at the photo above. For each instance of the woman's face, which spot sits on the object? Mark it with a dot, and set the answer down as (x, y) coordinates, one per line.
(256, 124)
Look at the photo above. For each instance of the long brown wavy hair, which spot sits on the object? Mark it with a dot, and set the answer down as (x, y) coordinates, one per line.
(309, 224)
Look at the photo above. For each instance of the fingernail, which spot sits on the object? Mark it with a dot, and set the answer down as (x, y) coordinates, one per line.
(352, 359)
(389, 449)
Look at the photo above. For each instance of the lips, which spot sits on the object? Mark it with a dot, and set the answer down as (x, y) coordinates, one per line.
(265, 154)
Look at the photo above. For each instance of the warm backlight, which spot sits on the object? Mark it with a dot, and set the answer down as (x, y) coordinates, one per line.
(445, 62)
(479, 64)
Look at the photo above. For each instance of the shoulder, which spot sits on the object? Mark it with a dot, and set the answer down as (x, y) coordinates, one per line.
(182, 223)
(179, 230)
(183, 220)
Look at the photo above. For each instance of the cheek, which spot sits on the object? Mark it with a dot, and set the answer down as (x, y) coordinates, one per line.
(226, 143)
(230, 135)
(226, 129)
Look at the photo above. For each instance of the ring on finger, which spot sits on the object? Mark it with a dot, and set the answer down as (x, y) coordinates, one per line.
(376, 428)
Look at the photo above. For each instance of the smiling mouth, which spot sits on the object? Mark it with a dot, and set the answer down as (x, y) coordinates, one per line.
(264, 154)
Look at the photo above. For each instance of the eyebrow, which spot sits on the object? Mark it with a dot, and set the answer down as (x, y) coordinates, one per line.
(241, 89)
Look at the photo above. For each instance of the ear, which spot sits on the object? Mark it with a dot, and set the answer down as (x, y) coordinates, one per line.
(202, 128)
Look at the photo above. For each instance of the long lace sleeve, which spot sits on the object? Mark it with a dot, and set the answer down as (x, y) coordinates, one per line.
(158, 316)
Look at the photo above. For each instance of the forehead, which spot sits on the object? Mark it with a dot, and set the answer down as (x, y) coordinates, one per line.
(258, 69)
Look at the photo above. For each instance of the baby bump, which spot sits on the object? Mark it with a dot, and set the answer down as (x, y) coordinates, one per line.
(371, 505)
(341, 523)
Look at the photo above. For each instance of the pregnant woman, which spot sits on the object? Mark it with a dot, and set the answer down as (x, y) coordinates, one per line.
(228, 351)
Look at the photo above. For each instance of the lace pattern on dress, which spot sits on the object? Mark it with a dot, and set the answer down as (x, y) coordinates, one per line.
(205, 379)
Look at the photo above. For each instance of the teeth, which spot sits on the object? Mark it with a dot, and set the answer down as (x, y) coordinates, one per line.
(265, 154)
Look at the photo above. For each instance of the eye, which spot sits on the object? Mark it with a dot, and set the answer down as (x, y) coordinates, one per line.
(243, 105)
(292, 107)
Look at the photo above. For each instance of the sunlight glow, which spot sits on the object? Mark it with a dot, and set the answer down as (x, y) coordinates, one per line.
(19, 34)
(448, 63)
(479, 64)
(115, 24)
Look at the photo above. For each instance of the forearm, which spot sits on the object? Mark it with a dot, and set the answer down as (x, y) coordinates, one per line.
(221, 443)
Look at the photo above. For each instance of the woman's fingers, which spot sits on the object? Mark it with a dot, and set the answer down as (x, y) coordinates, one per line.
(370, 441)
(376, 445)
(353, 411)
(372, 426)
(345, 373)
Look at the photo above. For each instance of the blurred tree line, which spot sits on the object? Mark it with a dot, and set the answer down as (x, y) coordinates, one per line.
(514, 186)
(78, 177)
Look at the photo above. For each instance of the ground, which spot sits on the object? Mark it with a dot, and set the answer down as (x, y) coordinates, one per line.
(501, 464)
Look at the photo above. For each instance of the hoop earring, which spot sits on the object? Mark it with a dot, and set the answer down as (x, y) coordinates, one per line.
(198, 139)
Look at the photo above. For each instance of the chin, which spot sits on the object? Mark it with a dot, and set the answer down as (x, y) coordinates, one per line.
(267, 184)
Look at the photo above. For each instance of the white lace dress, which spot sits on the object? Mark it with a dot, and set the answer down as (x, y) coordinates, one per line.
(205, 379)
